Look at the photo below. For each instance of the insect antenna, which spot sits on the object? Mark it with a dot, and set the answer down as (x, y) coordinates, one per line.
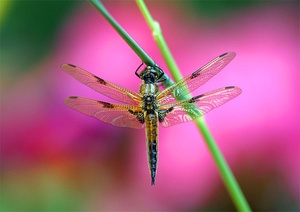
(136, 72)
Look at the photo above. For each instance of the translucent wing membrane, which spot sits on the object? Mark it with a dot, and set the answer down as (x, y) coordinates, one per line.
(195, 107)
(115, 114)
(178, 112)
(102, 86)
(195, 80)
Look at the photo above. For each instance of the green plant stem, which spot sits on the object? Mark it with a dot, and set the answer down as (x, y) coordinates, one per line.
(128, 39)
(230, 182)
(158, 37)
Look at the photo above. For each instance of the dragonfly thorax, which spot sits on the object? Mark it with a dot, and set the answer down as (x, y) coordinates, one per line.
(149, 98)
(149, 103)
(149, 93)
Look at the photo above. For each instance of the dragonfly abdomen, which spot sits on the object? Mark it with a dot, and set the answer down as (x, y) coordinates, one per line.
(151, 121)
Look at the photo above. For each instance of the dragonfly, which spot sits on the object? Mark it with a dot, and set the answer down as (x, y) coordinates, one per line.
(151, 107)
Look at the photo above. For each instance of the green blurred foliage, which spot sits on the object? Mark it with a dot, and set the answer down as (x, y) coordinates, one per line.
(28, 31)
(4, 7)
(43, 191)
(216, 10)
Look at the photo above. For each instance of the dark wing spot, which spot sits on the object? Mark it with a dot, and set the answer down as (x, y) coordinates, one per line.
(228, 87)
(106, 104)
(130, 111)
(195, 99)
(72, 65)
(222, 55)
(101, 81)
(162, 114)
(140, 118)
(73, 97)
(192, 100)
(195, 74)
(170, 109)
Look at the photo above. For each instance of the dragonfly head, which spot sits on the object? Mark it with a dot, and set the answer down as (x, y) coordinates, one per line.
(152, 75)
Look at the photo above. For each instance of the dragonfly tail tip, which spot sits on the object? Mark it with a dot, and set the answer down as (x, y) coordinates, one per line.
(153, 181)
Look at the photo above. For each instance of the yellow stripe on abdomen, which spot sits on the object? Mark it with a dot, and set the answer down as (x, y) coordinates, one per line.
(151, 121)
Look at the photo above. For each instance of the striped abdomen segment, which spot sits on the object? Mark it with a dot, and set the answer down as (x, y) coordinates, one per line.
(151, 121)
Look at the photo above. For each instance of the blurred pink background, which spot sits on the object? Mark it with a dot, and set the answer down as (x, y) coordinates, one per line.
(56, 159)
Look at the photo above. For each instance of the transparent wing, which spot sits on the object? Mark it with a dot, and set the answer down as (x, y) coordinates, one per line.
(114, 114)
(102, 86)
(195, 80)
(195, 107)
